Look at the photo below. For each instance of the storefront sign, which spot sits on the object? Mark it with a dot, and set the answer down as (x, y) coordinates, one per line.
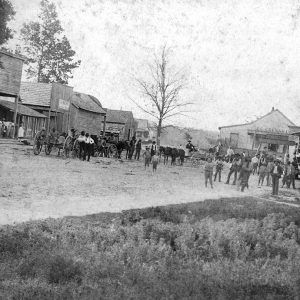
(63, 104)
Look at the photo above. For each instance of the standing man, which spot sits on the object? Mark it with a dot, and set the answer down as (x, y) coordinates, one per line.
(270, 165)
(138, 148)
(190, 147)
(254, 162)
(89, 144)
(233, 169)
(245, 173)
(131, 147)
(230, 154)
(276, 173)
(219, 168)
(81, 140)
(153, 148)
(208, 171)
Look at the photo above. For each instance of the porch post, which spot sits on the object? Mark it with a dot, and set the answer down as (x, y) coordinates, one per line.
(15, 116)
(104, 126)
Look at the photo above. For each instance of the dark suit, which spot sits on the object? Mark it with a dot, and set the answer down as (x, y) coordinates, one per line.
(275, 179)
(153, 150)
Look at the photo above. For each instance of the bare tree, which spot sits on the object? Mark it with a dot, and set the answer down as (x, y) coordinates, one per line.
(162, 91)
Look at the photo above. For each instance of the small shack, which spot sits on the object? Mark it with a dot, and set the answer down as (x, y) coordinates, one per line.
(86, 113)
(121, 121)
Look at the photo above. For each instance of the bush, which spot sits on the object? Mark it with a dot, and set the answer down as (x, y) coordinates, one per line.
(220, 249)
(62, 270)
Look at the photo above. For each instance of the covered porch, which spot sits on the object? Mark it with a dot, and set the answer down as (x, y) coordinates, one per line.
(32, 120)
(276, 142)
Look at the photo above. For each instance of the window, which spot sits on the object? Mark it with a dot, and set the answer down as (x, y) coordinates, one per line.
(234, 139)
(273, 147)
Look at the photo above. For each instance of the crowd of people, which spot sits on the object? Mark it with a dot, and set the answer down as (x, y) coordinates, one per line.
(7, 129)
(268, 168)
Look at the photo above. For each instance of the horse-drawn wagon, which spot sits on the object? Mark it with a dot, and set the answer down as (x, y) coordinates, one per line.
(107, 145)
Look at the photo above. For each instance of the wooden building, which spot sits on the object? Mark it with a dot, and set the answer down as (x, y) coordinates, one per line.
(271, 130)
(11, 109)
(50, 99)
(120, 121)
(10, 74)
(86, 113)
(32, 120)
(145, 130)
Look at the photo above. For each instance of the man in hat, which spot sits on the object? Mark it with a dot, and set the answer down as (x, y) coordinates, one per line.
(233, 170)
(153, 149)
(82, 145)
(40, 135)
(276, 173)
(190, 147)
(230, 154)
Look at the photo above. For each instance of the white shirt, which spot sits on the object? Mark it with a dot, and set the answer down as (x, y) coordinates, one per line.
(275, 171)
(229, 151)
(89, 140)
(81, 138)
(254, 160)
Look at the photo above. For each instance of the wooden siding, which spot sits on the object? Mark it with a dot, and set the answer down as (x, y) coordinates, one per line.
(84, 120)
(10, 74)
(274, 122)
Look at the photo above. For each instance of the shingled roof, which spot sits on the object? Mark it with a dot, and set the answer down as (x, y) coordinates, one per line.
(33, 93)
(118, 116)
(22, 110)
(87, 102)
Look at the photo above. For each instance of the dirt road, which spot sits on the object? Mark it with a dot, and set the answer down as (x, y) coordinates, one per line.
(34, 187)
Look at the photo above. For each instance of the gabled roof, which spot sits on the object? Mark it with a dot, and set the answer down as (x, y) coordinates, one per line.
(118, 116)
(272, 111)
(35, 93)
(87, 102)
(22, 110)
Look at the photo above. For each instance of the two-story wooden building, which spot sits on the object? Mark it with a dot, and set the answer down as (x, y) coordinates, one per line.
(11, 109)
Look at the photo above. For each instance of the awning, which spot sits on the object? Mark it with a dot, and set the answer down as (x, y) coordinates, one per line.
(276, 141)
(22, 110)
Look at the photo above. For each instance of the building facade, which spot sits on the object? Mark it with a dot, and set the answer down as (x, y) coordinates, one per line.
(121, 122)
(12, 112)
(271, 131)
(86, 113)
(50, 99)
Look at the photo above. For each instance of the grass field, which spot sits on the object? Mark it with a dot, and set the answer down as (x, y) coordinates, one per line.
(216, 249)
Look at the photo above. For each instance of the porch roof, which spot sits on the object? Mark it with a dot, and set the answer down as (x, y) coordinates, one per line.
(22, 110)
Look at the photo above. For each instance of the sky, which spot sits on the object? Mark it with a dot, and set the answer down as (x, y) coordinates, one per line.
(240, 58)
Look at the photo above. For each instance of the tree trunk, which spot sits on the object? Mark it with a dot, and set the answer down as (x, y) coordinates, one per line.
(158, 132)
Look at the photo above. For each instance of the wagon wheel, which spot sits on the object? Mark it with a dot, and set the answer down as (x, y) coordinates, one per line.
(37, 148)
(75, 149)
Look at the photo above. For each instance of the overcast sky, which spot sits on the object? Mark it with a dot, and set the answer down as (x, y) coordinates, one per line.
(240, 57)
